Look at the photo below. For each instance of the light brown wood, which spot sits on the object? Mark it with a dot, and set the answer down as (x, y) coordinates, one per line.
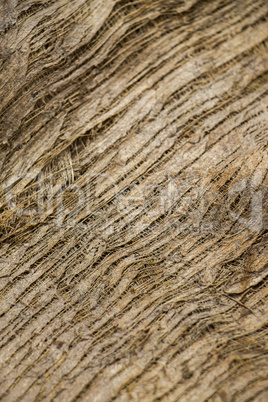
(133, 200)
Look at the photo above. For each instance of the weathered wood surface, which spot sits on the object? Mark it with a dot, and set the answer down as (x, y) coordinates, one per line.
(133, 212)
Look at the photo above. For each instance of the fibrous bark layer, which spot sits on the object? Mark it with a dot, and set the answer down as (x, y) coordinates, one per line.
(133, 212)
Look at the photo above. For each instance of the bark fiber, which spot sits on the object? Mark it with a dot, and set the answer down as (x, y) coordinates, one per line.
(133, 200)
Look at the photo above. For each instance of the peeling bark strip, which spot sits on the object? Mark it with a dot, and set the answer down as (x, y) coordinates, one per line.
(133, 200)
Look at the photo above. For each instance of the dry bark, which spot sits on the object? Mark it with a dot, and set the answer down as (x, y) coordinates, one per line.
(133, 212)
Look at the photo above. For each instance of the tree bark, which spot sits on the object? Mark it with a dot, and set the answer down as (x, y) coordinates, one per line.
(133, 200)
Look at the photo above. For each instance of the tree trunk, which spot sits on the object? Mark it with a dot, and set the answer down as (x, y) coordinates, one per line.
(133, 200)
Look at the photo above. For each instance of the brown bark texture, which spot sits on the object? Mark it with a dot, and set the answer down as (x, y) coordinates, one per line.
(133, 200)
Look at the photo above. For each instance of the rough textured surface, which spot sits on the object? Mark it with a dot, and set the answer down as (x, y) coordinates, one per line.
(133, 212)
